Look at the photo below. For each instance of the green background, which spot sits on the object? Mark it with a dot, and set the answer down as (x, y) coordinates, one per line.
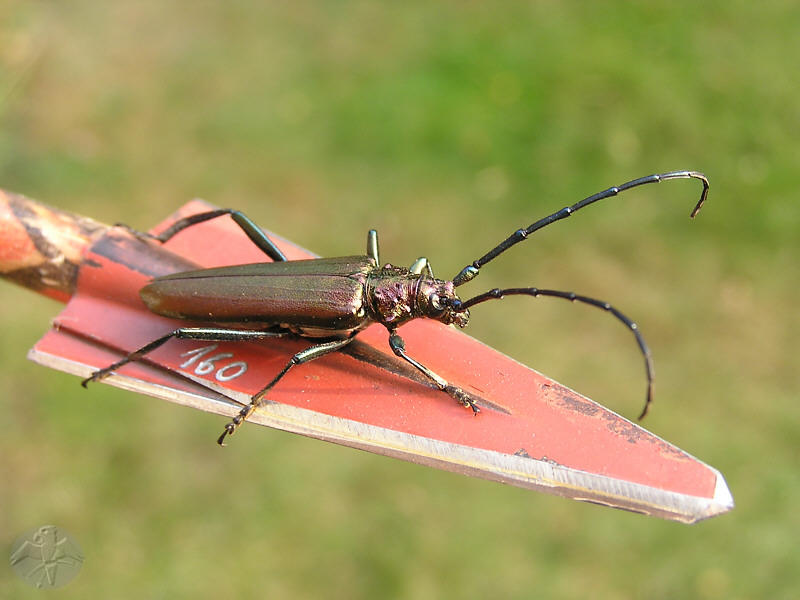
(445, 126)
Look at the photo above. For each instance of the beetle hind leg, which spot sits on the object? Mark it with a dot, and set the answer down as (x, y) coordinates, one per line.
(256, 235)
(206, 334)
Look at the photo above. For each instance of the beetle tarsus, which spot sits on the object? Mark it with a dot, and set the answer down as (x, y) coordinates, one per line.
(91, 379)
(140, 235)
(101, 374)
(463, 398)
(229, 429)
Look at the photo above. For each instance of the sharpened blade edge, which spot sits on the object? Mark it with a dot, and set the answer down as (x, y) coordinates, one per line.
(541, 475)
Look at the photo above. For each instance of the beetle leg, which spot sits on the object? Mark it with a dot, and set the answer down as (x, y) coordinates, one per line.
(398, 346)
(256, 235)
(301, 357)
(207, 334)
(372, 246)
(420, 265)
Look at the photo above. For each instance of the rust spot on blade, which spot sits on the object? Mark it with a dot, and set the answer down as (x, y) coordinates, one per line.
(620, 426)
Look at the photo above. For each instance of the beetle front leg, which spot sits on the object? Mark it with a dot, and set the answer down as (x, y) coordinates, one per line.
(398, 346)
(422, 265)
(301, 357)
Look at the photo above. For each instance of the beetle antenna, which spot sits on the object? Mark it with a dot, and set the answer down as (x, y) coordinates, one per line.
(497, 294)
(469, 272)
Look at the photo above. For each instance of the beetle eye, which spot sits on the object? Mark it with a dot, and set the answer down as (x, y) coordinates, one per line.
(436, 302)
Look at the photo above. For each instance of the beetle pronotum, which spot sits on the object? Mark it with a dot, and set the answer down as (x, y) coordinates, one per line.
(332, 299)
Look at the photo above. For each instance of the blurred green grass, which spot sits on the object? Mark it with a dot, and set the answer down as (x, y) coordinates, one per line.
(446, 127)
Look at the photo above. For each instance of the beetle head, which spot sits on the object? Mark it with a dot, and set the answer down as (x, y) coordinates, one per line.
(437, 299)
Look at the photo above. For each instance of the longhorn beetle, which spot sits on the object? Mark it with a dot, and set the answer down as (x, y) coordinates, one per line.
(332, 299)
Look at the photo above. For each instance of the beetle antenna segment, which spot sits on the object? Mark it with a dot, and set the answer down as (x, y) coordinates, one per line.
(497, 294)
(469, 272)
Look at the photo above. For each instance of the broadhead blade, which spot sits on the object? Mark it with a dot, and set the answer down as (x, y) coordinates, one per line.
(531, 432)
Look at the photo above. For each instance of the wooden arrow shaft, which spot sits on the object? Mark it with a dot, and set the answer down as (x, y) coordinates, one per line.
(42, 247)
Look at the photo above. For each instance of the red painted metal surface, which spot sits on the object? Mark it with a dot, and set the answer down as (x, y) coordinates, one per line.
(532, 431)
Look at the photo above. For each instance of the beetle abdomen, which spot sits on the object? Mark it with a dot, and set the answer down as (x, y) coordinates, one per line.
(318, 294)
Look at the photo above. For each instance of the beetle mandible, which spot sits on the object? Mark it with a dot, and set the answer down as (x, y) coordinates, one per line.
(333, 299)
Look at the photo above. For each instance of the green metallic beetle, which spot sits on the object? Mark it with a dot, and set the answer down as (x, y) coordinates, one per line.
(331, 300)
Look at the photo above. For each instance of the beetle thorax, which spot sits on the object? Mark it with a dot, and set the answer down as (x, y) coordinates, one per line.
(396, 295)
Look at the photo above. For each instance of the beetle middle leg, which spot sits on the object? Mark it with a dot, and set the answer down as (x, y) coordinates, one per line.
(304, 356)
(398, 346)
